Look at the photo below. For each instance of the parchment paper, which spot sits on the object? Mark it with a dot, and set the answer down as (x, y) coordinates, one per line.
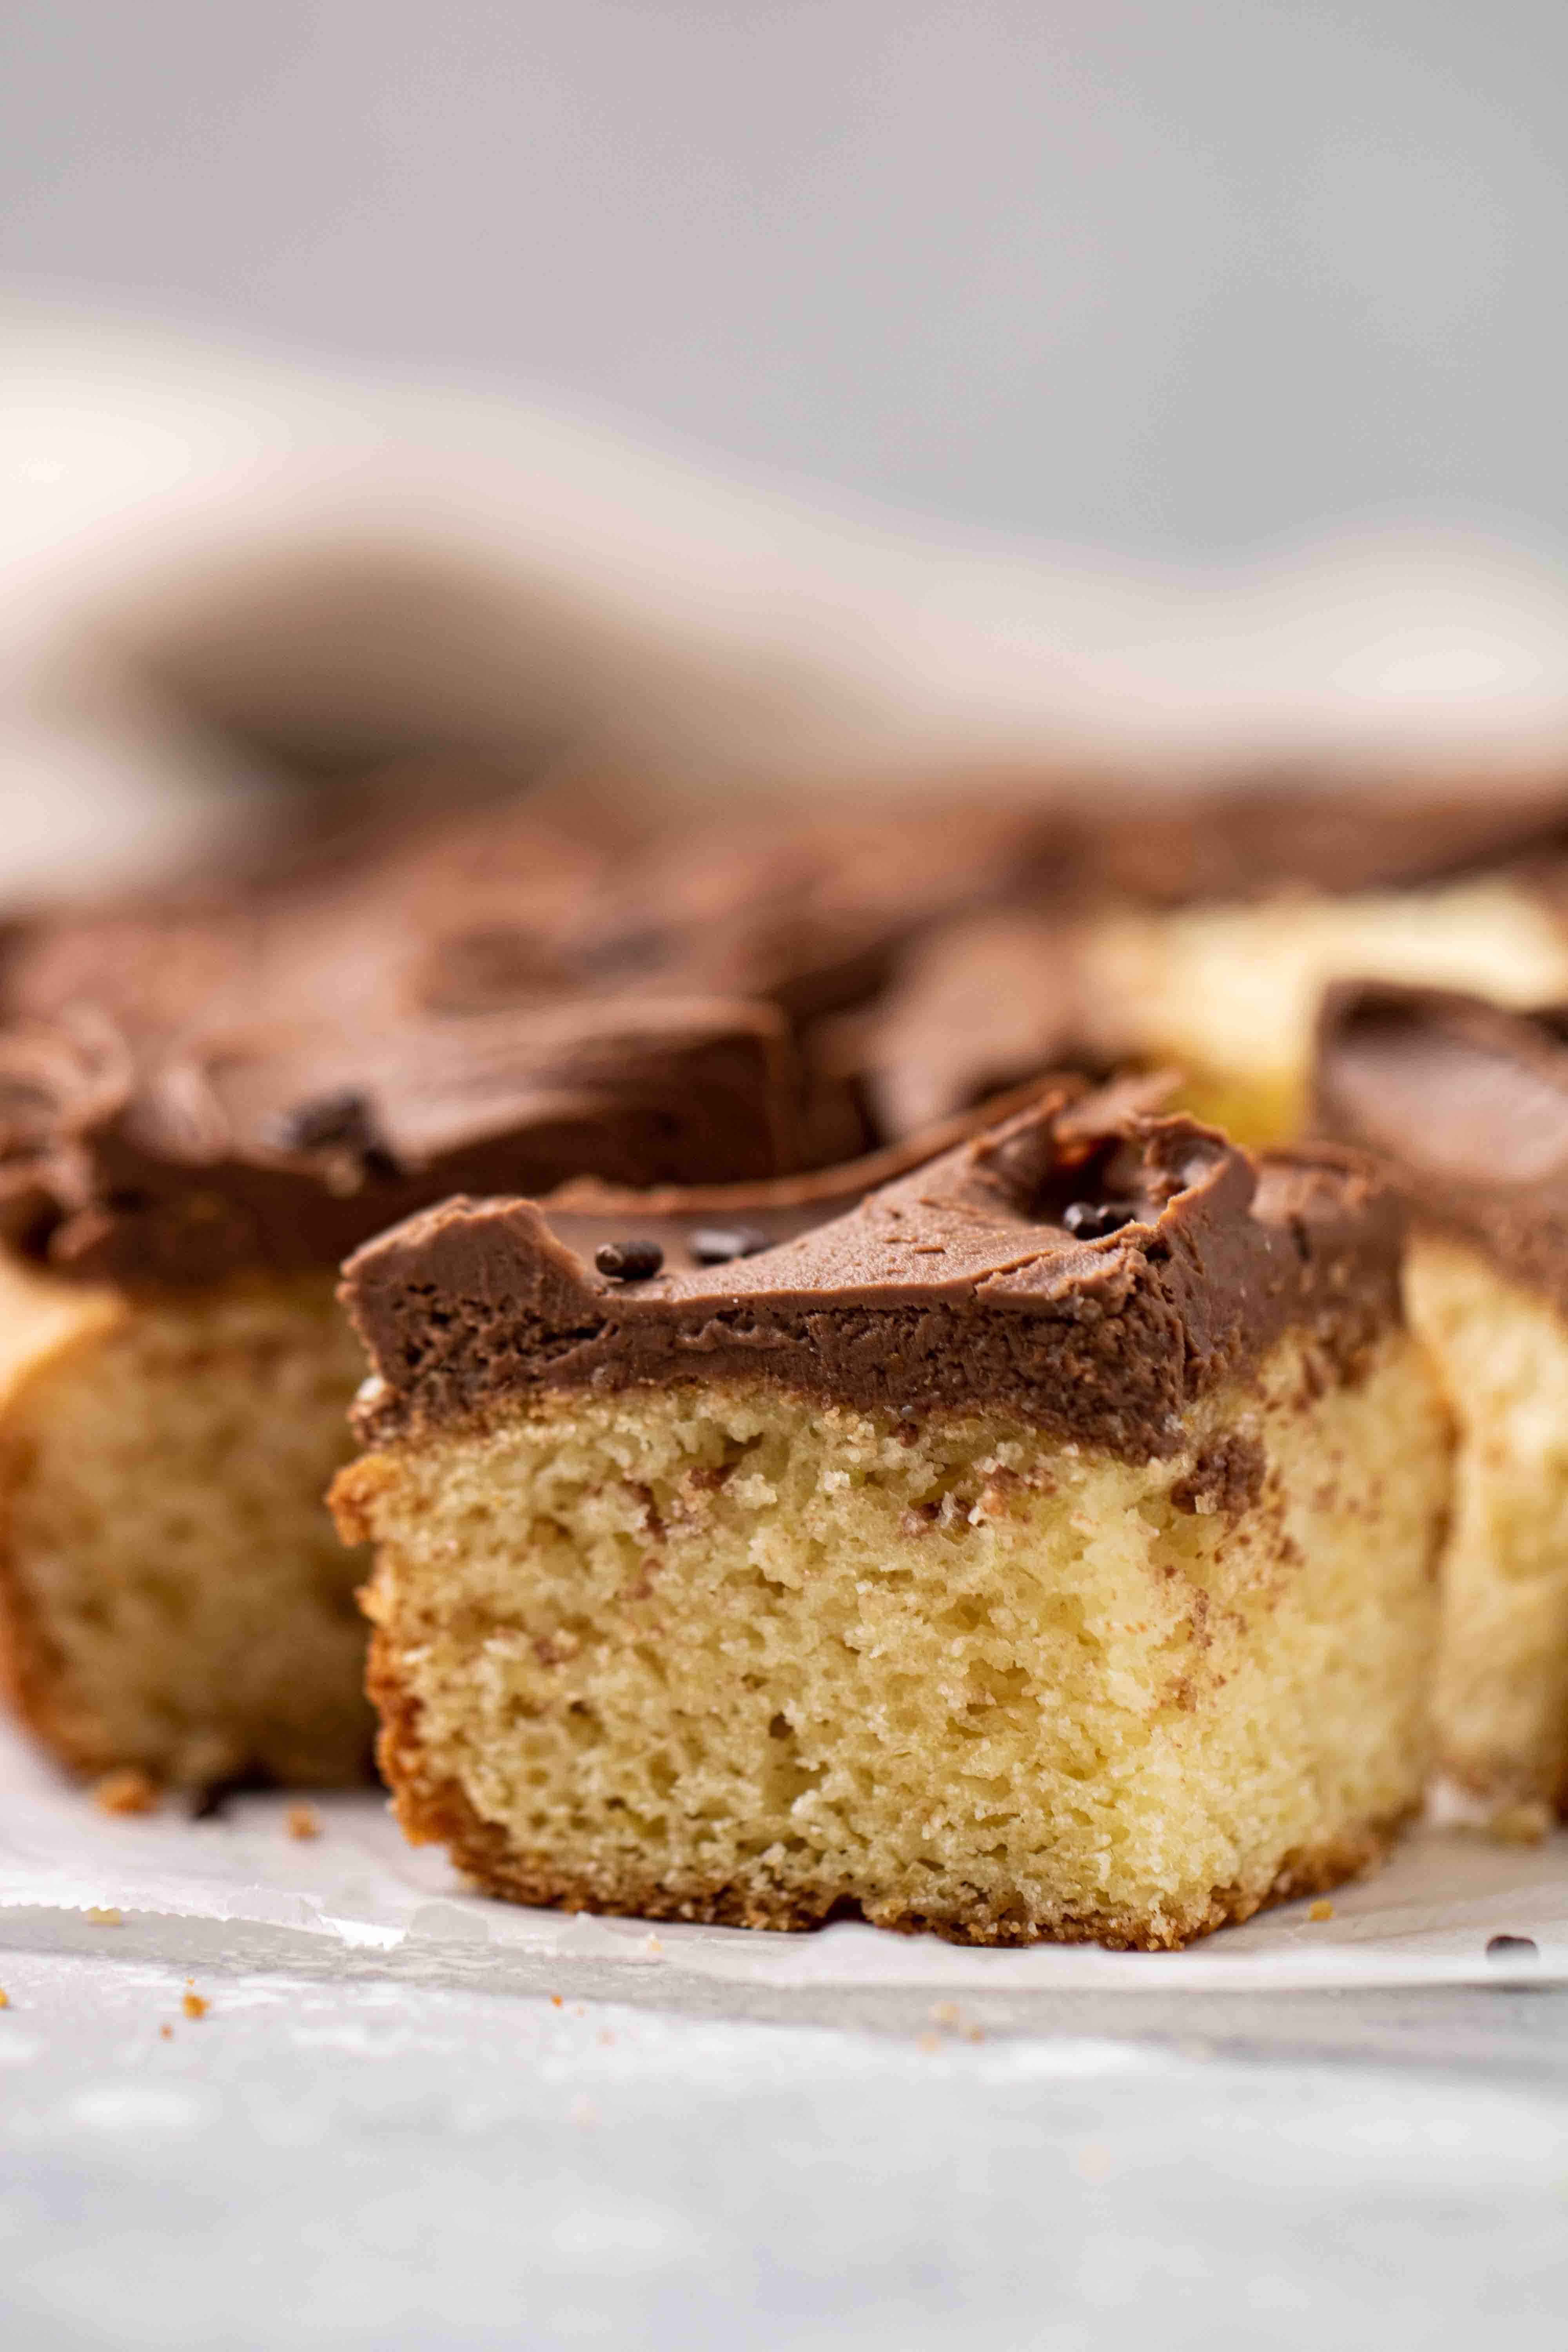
(244, 1885)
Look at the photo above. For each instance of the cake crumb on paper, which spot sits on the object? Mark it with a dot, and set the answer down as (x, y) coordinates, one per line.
(193, 2005)
(302, 1822)
(1526, 1823)
(127, 1790)
(104, 1915)
(1321, 1911)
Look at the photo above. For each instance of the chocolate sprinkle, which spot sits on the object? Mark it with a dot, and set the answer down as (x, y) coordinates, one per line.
(629, 1261)
(345, 1120)
(719, 1244)
(1091, 1220)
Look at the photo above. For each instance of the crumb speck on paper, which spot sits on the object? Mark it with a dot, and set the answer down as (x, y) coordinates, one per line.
(555, 2001)
(302, 1822)
(104, 1915)
(1521, 1824)
(652, 1946)
(1321, 1911)
(945, 2012)
(127, 1790)
(5, 1999)
(193, 2005)
(165, 2033)
(927, 2042)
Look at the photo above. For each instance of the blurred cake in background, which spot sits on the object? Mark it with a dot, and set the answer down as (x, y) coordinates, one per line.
(1465, 1105)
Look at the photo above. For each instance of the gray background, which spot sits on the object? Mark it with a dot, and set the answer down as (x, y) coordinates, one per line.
(1179, 277)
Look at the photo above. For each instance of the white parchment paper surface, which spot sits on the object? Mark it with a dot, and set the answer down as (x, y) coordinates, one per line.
(1426, 1918)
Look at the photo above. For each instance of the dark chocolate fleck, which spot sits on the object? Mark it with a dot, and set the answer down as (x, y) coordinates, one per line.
(211, 1801)
(345, 1120)
(1090, 1221)
(1228, 1476)
(1511, 1947)
(718, 1245)
(629, 1261)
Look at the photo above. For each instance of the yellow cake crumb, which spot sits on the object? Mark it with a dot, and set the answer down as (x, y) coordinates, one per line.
(193, 2005)
(1066, 1703)
(1321, 1911)
(302, 1822)
(104, 1915)
(1501, 1694)
(127, 1790)
(172, 1592)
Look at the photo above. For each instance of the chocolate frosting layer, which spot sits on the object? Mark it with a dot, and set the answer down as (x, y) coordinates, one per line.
(1082, 1268)
(1291, 832)
(505, 1005)
(1465, 1104)
(980, 1005)
(284, 1145)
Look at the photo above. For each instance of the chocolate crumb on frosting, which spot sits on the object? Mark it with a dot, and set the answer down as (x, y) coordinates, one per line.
(1465, 1104)
(957, 1287)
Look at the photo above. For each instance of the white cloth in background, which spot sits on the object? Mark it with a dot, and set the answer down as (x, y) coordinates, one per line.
(211, 566)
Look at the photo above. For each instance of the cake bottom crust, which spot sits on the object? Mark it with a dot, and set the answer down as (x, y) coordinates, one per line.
(484, 1853)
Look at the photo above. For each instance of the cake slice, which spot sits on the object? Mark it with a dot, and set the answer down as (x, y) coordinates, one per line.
(1042, 1550)
(1465, 1103)
(174, 1374)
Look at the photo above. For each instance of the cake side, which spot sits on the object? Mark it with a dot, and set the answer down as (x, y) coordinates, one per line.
(1466, 1104)
(172, 1594)
(715, 1653)
(1501, 1690)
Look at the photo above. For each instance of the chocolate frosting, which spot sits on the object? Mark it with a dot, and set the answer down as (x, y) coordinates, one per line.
(963, 1286)
(1292, 832)
(176, 1163)
(980, 1005)
(505, 1005)
(1465, 1104)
